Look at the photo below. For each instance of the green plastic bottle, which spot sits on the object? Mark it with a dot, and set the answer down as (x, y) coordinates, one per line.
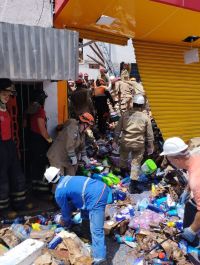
(115, 180)
(107, 181)
(149, 167)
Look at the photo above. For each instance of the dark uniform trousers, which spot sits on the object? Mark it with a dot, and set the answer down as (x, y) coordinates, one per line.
(11, 177)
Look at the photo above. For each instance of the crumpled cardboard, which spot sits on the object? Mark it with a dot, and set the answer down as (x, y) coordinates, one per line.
(43, 235)
(8, 238)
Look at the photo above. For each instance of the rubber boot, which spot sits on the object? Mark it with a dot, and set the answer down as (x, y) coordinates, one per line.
(133, 187)
(123, 172)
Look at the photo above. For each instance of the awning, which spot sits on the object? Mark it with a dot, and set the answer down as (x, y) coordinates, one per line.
(36, 53)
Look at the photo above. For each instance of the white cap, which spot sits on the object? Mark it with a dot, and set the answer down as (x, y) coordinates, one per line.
(174, 146)
(52, 174)
(112, 78)
(138, 99)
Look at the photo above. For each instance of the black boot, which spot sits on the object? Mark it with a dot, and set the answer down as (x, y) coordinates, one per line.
(133, 187)
(123, 172)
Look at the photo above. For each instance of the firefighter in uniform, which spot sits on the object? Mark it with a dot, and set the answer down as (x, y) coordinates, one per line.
(12, 186)
(137, 135)
(125, 95)
(69, 144)
(80, 100)
(39, 140)
(100, 97)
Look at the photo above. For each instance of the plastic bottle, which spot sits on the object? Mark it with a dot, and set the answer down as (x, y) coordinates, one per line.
(115, 180)
(54, 242)
(149, 167)
(180, 210)
(125, 180)
(155, 208)
(131, 210)
(143, 204)
(42, 220)
(107, 181)
(20, 231)
(122, 239)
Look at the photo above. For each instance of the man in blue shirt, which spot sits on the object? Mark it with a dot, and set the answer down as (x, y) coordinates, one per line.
(85, 194)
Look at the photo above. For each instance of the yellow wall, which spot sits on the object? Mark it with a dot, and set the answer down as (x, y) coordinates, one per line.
(173, 88)
(62, 101)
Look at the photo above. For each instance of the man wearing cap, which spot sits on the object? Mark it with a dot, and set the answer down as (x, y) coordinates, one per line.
(178, 155)
(70, 144)
(12, 187)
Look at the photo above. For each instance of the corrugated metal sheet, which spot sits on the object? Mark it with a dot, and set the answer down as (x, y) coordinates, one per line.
(36, 53)
(172, 87)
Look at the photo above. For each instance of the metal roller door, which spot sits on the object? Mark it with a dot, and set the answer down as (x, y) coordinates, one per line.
(173, 88)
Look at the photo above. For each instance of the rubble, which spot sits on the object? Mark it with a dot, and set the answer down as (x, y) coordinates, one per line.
(147, 225)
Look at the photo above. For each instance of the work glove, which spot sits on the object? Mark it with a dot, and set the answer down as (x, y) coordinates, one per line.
(190, 236)
(85, 159)
(185, 196)
(115, 146)
(73, 160)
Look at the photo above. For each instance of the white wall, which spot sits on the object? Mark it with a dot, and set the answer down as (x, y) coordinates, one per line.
(51, 106)
(118, 54)
(27, 12)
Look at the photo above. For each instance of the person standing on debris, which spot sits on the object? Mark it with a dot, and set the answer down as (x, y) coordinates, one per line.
(100, 97)
(103, 75)
(12, 179)
(40, 140)
(125, 95)
(177, 153)
(137, 135)
(87, 194)
(70, 144)
(80, 100)
(86, 82)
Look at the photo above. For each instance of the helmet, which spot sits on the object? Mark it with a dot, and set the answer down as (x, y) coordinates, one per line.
(39, 96)
(52, 174)
(138, 99)
(86, 74)
(87, 118)
(7, 85)
(174, 146)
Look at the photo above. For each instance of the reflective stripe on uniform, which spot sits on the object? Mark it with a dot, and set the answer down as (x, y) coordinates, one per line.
(21, 193)
(83, 192)
(19, 199)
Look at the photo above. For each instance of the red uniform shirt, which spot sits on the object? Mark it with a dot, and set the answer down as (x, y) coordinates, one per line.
(34, 119)
(5, 126)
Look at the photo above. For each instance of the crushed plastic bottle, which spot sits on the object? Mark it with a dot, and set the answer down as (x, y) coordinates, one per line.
(20, 231)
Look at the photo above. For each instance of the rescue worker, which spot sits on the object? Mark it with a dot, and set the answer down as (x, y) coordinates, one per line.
(12, 188)
(124, 95)
(89, 195)
(137, 135)
(177, 153)
(39, 139)
(70, 144)
(86, 82)
(80, 100)
(125, 72)
(100, 97)
(103, 75)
